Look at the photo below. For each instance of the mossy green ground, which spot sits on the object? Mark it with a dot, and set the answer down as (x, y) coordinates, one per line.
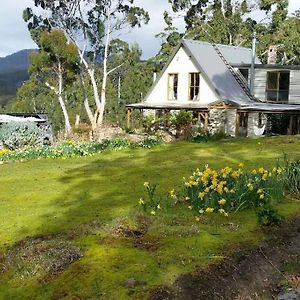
(85, 199)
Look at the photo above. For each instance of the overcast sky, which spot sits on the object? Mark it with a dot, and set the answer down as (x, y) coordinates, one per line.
(14, 35)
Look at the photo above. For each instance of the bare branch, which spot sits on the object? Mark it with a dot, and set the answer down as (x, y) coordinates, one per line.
(114, 69)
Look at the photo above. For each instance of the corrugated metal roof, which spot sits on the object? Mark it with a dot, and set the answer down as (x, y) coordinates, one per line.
(237, 55)
(216, 72)
(272, 107)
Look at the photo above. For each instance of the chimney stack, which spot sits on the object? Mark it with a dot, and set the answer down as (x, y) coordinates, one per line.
(272, 54)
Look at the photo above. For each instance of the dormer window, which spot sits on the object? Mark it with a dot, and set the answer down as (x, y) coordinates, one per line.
(173, 86)
(194, 86)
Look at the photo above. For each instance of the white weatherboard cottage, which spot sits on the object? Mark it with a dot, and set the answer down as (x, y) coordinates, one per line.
(213, 81)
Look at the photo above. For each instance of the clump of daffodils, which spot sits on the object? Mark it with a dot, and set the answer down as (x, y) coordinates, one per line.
(230, 189)
(150, 204)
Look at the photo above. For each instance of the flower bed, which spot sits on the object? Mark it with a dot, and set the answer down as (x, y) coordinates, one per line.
(71, 149)
(226, 190)
(229, 189)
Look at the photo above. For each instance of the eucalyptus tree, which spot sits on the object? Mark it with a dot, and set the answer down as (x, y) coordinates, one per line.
(55, 64)
(91, 25)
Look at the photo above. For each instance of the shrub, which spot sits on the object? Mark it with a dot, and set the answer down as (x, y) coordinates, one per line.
(269, 216)
(181, 119)
(14, 135)
(151, 123)
(182, 122)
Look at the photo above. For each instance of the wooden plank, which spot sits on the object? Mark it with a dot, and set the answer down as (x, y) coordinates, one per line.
(206, 122)
(237, 124)
(290, 130)
(166, 118)
(129, 114)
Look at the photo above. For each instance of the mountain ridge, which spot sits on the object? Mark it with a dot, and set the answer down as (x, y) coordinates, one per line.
(13, 73)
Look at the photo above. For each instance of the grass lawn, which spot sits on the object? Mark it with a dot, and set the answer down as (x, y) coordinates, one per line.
(85, 201)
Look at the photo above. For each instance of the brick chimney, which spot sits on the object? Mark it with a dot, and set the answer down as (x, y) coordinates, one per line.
(272, 54)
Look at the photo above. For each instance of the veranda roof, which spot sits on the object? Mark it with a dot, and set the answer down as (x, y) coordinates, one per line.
(253, 107)
(272, 107)
(169, 105)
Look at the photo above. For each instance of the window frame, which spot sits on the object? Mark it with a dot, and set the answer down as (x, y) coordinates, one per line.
(168, 87)
(190, 87)
(277, 90)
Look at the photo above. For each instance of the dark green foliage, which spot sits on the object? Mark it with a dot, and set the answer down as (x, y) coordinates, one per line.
(278, 124)
(292, 175)
(181, 119)
(269, 216)
(151, 123)
(204, 137)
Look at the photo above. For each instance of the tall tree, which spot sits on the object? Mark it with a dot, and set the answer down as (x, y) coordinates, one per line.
(55, 64)
(90, 24)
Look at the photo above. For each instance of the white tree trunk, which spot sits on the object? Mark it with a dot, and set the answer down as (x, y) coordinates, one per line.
(105, 74)
(59, 93)
(91, 116)
(68, 128)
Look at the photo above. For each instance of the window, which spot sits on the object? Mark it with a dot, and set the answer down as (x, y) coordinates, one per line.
(194, 88)
(278, 86)
(173, 87)
(245, 73)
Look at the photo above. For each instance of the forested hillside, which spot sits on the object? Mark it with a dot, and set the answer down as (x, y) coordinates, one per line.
(13, 72)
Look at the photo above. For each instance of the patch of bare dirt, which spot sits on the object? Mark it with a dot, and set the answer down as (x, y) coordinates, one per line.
(269, 271)
(147, 243)
(40, 257)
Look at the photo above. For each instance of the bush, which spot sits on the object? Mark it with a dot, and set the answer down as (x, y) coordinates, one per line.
(15, 135)
(182, 122)
(269, 216)
(181, 119)
(151, 124)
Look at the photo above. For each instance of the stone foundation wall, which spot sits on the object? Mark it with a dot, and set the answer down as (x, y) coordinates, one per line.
(222, 120)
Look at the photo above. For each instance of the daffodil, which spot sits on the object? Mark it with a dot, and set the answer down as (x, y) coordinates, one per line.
(222, 202)
(201, 195)
(207, 190)
(209, 210)
(153, 213)
(172, 194)
(141, 201)
(146, 184)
